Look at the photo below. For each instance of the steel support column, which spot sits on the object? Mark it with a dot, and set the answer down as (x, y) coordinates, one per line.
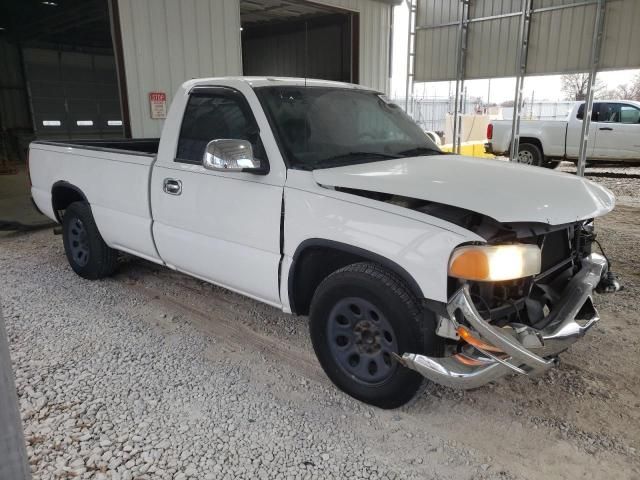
(14, 463)
(596, 45)
(521, 70)
(411, 52)
(463, 28)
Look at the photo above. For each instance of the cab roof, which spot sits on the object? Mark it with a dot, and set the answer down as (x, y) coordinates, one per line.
(271, 81)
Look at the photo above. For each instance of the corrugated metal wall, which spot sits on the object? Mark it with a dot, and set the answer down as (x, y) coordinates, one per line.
(375, 25)
(621, 47)
(436, 47)
(166, 42)
(559, 40)
(286, 54)
(13, 96)
(490, 43)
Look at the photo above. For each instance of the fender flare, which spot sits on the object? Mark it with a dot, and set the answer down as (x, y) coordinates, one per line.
(67, 185)
(346, 248)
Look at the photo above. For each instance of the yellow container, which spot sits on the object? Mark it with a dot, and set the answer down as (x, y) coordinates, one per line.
(470, 149)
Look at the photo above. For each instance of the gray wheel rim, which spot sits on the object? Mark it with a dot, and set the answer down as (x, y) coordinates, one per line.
(362, 341)
(78, 242)
(525, 156)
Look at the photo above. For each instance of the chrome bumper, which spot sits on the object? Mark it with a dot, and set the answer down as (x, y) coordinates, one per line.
(522, 349)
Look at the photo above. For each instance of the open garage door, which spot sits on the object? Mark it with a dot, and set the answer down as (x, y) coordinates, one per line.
(63, 69)
(73, 94)
(299, 39)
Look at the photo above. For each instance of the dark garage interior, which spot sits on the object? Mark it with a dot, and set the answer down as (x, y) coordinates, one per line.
(299, 39)
(59, 78)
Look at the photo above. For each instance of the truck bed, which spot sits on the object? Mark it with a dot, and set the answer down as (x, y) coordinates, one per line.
(113, 174)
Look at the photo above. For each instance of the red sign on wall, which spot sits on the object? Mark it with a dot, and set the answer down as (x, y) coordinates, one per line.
(158, 104)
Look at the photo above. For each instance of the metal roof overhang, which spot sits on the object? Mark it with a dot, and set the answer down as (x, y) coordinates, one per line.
(559, 37)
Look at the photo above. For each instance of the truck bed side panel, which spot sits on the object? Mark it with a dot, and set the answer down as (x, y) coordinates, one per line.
(550, 133)
(115, 184)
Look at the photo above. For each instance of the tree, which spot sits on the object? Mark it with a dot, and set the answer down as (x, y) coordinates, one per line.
(629, 91)
(575, 86)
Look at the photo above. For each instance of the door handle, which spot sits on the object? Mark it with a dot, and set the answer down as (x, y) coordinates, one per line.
(608, 129)
(172, 186)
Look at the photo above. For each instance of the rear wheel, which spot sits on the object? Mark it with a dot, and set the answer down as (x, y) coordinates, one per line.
(361, 316)
(87, 253)
(530, 154)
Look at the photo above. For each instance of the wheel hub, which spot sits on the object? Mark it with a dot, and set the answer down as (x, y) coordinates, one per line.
(525, 157)
(367, 337)
(362, 341)
(78, 242)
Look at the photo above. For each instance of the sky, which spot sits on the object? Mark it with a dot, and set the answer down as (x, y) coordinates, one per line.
(498, 89)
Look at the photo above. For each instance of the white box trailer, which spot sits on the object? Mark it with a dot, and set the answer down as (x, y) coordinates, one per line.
(160, 44)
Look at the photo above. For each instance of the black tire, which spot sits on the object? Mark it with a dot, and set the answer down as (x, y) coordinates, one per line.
(530, 154)
(396, 309)
(551, 164)
(86, 251)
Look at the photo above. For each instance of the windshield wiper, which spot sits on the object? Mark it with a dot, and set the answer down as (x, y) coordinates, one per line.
(359, 157)
(418, 151)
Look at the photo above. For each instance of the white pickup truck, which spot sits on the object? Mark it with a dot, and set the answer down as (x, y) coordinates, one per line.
(324, 199)
(614, 135)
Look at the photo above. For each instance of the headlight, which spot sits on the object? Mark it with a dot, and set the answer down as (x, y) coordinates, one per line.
(495, 262)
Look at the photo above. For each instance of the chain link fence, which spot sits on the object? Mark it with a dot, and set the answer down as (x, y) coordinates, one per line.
(431, 112)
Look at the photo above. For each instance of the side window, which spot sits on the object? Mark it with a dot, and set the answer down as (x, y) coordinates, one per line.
(629, 114)
(608, 112)
(210, 116)
(594, 112)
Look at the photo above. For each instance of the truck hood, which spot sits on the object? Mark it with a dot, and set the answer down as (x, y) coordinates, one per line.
(507, 192)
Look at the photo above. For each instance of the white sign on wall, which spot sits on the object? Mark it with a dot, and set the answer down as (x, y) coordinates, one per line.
(158, 104)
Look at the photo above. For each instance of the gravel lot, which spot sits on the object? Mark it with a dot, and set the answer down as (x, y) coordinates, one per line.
(154, 375)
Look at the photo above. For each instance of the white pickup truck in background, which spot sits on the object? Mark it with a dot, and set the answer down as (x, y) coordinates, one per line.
(325, 199)
(614, 135)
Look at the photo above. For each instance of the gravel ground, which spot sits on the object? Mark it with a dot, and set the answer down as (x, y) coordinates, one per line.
(625, 189)
(154, 375)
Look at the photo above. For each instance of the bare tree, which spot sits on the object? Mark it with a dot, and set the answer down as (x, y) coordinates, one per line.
(629, 91)
(575, 86)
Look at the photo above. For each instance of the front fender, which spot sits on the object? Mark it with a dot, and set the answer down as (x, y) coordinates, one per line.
(415, 243)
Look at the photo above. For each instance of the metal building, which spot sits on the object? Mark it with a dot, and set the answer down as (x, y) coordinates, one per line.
(108, 68)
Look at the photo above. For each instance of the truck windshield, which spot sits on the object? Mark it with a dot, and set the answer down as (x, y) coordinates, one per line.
(322, 127)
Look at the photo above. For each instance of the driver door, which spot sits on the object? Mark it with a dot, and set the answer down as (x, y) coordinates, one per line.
(223, 227)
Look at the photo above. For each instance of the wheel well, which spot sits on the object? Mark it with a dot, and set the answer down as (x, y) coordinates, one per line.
(533, 141)
(316, 259)
(64, 194)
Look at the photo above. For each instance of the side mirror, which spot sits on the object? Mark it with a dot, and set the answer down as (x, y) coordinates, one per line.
(231, 155)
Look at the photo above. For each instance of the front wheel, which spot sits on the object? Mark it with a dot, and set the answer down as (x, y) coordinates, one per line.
(361, 317)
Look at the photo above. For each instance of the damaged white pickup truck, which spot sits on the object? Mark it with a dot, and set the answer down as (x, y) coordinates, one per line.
(324, 199)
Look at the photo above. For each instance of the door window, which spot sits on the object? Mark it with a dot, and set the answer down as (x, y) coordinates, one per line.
(617, 113)
(629, 114)
(216, 114)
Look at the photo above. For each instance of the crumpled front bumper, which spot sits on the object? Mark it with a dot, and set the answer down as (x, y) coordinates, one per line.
(522, 349)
